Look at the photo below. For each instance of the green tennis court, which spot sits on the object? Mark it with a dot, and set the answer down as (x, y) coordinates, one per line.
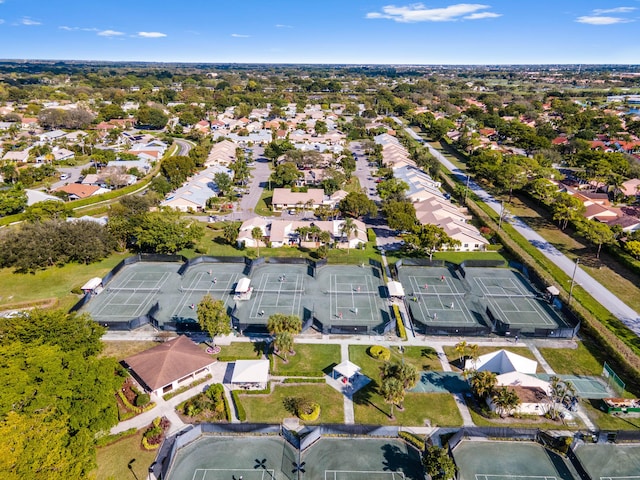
(494, 460)
(586, 386)
(271, 457)
(441, 382)
(610, 461)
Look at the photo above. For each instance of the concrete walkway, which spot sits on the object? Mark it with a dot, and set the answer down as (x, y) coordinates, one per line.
(349, 414)
(467, 421)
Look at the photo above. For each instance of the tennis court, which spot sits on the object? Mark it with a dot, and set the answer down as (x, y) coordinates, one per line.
(586, 386)
(610, 461)
(441, 382)
(495, 460)
(270, 457)
(437, 297)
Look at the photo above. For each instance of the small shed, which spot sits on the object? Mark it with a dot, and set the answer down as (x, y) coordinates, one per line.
(250, 374)
(395, 289)
(92, 285)
(346, 369)
(243, 285)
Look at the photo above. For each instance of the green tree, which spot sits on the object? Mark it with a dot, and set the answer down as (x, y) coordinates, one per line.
(461, 349)
(230, 232)
(279, 323)
(153, 118)
(392, 189)
(505, 399)
(224, 183)
(47, 210)
(176, 169)
(286, 174)
(429, 238)
(561, 391)
(356, 205)
(12, 201)
(346, 229)
(438, 464)
(348, 164)
(321, 127)
(256, 234)
(324, 212)
(283, 343)
(597, 233)
(213, 318)
(566, 208)
(633, 247)
(393, 393)
(482, 383)
(401, 215)
(165, 232)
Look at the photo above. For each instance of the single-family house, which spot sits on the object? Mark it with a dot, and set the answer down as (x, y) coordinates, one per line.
(77, 190)
(17, 156)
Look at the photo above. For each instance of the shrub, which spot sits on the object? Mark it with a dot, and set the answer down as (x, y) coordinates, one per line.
(413, 439)
(305, 409)
(380, 353)
(402, 333)
(311, 413)
(142, 399)
(242, 415)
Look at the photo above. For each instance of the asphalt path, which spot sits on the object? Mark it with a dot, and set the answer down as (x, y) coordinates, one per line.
(184, 146)
(608, 300)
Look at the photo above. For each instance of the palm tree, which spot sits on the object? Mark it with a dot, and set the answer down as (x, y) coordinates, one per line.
(392, 392)
(347, 228)
(256, 234)
(324, 237)
(560, 391)
(505, 400)
(461, 348)
(474, 352)
(483, 383)
(283, 343)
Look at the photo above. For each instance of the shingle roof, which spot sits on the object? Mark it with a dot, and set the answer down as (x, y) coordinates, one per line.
(168, 362)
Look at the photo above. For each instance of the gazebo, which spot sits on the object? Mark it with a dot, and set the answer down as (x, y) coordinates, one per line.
(250, 374)
(346, 370)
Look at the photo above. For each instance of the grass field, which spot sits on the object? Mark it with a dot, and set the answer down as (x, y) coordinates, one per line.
(113, 460)
(580, 361)
(270, 408)
(55, 282)
(419, 408)
(120, 349)
(423, 358)
(311, 359)
(606, 421)
(242, 351)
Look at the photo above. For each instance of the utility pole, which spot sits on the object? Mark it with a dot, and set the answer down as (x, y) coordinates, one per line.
(573, 281)
(501, 215)
(466, 189)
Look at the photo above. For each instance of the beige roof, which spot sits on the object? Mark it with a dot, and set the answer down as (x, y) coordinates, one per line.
(284, 196)
(168, 362)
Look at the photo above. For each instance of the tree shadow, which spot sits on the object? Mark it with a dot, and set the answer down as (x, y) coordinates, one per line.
(395, 460)
(364, 395)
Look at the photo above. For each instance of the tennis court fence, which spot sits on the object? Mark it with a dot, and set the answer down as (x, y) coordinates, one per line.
(613, 380)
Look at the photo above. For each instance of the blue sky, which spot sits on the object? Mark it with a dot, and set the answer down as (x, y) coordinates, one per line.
(324, 31)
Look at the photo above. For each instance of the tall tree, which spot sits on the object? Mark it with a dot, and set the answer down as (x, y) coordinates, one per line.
(356, 205)
(597, 233)
(286, 174)
(438, 464)
(213, 318)
(505, 399)
(165, 232)
(429, 239)
(482, 383)
(346, 229)
(393, 393)
(561, 392)
(256, 234)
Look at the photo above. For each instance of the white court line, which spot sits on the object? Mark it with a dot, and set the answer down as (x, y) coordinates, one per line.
(333, 474)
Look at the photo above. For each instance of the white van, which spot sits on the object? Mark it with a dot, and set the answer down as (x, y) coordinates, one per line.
(64, 176)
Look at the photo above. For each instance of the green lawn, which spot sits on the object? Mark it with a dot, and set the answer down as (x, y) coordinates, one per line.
(121, 349)
(437, 408)
(453, 356)
(606, 421)
(54, 282)
(242, 351)
(453, 257)
(579, 361)
(531, 421)
(423, 358)
(310, 359)
(270, 408)
(263, 207)
(113, 460)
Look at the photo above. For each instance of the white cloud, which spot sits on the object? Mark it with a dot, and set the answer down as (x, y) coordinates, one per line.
(482, 15)
(280, 25)
(110, 33)
(600, 11)
(75, 29)
(152, 34)
(419, 13)
(239, 35)
(29, 22)
(1, 21)
(601, 20)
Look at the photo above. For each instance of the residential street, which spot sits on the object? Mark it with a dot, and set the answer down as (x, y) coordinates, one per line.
(612, 303)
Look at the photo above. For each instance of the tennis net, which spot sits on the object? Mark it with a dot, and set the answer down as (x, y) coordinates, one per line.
(204, 290)
(283, 291)
(132, 289)
(510, 295)
(437, 294)
(352, 292)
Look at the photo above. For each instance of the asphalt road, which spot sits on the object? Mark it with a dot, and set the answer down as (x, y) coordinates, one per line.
(608, 300)
(183, 147)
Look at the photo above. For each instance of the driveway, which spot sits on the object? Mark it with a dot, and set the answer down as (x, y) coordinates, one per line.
(259, 180)
(73, 172)
(363, 171)
(608, 300)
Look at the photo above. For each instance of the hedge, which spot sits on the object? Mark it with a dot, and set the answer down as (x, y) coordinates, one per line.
(311, 416)
(303, 380)
(371, 236)
(402, 332)
(109, 439)
(379, 352)
(415, 440)
(301, 374)
(133, 408)
(242, 415)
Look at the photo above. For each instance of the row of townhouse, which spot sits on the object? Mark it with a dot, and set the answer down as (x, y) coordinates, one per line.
(279, 233)
(431, 205)
(196, 191)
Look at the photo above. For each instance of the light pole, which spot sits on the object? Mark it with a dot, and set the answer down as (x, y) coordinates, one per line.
(501, 215)
(466, 189)
(573, 281)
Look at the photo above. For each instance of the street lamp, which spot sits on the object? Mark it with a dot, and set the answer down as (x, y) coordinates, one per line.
(501, 214)
(573, 281)
(466, 189)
